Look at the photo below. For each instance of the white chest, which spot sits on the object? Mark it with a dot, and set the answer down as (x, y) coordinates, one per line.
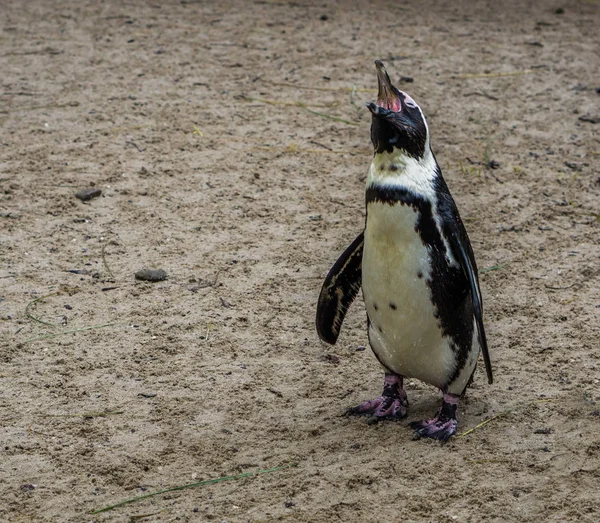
(404, 330)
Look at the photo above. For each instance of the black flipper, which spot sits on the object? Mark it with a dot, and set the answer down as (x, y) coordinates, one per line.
(339, 290)
(467, 262)
(460, 246)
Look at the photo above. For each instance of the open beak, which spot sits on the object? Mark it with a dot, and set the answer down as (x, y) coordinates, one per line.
(387, 97)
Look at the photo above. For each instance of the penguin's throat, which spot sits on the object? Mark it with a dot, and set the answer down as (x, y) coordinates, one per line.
(392, 161)
(398, 169)
(390, 165)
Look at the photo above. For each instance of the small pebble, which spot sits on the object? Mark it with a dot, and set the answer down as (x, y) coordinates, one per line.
(147, 394)
(151, 275)
(590, 119)
(87, 194)
(275, 391)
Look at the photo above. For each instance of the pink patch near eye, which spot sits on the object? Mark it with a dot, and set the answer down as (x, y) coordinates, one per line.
(395, 104)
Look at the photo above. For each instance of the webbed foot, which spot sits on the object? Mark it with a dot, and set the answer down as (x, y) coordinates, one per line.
(443, 425)
(392, 404)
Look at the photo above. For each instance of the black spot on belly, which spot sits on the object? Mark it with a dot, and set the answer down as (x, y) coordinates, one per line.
(419, 274)
(393, 167)
(375, 326)
(393, 306)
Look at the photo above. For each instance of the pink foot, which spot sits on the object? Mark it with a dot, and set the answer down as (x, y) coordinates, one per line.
(392, 404)
(443, 425)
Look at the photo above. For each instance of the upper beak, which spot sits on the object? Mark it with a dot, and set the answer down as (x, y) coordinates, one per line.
(387, 96)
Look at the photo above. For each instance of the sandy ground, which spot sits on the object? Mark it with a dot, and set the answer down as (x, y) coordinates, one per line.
(246, 204)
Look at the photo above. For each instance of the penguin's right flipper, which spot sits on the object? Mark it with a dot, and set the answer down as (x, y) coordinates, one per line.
(339, 290)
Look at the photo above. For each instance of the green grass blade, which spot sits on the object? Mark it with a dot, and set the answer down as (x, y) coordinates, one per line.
(54, 335)
(493, 268)
(192, 485)
(330, 117)
(32, 303)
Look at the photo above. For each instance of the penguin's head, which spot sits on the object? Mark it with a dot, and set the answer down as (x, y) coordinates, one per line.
(398, 122)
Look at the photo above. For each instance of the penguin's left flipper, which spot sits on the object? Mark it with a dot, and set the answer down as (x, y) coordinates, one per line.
(339, 290)
(467, 263)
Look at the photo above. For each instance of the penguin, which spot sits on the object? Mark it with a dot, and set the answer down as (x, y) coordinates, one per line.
(415, 265)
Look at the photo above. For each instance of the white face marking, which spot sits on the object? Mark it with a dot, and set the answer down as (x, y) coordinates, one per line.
(409, 101)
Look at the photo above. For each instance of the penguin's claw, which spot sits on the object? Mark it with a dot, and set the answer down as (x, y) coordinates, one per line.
(382, 407)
